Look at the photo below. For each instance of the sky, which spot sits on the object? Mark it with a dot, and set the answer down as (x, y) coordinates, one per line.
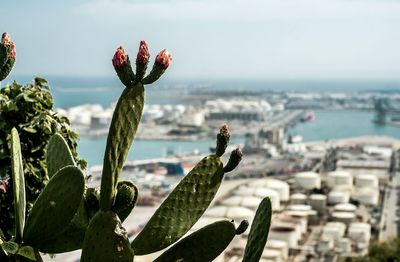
(257, 39)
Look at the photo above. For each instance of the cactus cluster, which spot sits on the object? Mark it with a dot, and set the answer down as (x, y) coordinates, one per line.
(68, 216)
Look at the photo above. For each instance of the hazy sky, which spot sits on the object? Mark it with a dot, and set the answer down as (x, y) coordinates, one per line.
(210, 38)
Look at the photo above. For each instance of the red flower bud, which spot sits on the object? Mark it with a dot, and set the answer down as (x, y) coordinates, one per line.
(164, 58)
(7, 42)
(119, 59)
(143, 54)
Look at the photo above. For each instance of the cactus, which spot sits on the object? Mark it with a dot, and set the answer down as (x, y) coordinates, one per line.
(67, 216)
(203, 245)
(258, 232)
(58, 203)
(19, 184)
(7, 55)
(106, 240)
(58, 155)
(182, 208)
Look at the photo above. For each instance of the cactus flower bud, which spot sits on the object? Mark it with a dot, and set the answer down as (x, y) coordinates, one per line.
(222, 140)
(4, 186)
(143, 54)
(119, 59)
(8, 43)
(234, 160)
(242, 227)
(164, 58)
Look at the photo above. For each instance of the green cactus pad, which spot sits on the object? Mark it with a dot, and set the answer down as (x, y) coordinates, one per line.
(182, 208)
(55, 207)
(18, 184)
(258, 232)
(203, 245)
(72, 237)
(58, 155)
(123, 128)
(125, 200)
(106, 240)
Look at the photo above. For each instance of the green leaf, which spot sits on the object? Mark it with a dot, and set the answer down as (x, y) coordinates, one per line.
(9, 247)
(18, 184)
(28, 252)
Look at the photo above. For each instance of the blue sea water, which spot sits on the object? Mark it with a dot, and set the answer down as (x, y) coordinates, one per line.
(68, 91)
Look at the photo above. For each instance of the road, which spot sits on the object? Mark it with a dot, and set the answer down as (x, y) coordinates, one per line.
(389, 225)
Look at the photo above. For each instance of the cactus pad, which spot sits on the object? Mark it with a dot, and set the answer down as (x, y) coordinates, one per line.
(18, 184)
(55, 207)
(124, 124)
(58, 155)
(125, 200)
(203, 245)
(182, 208)
(106, 240)
(258, 232)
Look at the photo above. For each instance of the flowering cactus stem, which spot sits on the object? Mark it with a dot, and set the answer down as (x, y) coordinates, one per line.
(204, 245)
(258, 232)
(18, 184)
(163, 60)
(234, 160)
(58, 155)
(124, 124)
(222, 140)
(55, 207)
(106, 240)
(142, 60)
(182, 208)
(122, 66)
(7, 55)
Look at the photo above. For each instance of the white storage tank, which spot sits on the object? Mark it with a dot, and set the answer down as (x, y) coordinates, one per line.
(260, 192)
(308, 180)
(333, 230)
(343, 245)
(366, 180)
(338, 178)
(284, 233)
(325, 245)
(337, 197)
(279, 245)
(272, 255)
(345, 207)
(367, 196)
(298, 199)
(299, 207)
(279, 186)
(344, 217)
(360, 232)
(318, 203)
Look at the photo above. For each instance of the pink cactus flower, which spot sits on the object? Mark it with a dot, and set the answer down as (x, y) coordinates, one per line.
(119, 59)
(143, 54)
(164, 58)
(7, 42)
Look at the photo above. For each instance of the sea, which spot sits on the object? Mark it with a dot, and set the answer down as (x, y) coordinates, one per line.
(328, 124)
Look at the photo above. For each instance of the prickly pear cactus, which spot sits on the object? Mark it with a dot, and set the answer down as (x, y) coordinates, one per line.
(182, 208)
(123, 128)
(258, 232)
(7, 56)
(204, 245)
(18, 184)
(58, 155)
(55, 207)
(106, 240)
